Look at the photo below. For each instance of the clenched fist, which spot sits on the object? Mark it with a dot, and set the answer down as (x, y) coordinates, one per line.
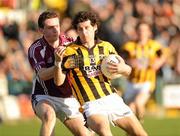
(58, 53)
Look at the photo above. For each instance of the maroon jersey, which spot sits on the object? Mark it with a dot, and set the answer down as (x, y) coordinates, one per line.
(41, 55)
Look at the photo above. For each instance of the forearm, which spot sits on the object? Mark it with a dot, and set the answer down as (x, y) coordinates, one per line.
(125, 70)
(59, 76)
(46, 73)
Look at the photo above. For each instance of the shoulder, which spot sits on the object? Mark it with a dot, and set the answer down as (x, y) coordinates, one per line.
(35, 44)
(129, 46)
(155, 45)
(71, 48)
(107, 47)
(34, 47)
(105, 43)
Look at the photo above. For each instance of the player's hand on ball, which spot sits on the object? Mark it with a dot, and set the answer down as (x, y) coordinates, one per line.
(114, 67)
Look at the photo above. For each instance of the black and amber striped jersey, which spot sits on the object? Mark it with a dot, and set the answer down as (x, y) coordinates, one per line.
(145, 55)
(85, 74)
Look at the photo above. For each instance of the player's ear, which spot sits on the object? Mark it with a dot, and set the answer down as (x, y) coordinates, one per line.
(40, 30)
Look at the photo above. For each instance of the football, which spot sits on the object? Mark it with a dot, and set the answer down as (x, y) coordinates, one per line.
(111, 58)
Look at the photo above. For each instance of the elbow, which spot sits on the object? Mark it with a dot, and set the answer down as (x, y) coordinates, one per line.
(58, 83)
(127, 71)
(59, 80)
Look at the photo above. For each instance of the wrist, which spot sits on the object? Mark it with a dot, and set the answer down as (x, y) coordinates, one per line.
(57, 64)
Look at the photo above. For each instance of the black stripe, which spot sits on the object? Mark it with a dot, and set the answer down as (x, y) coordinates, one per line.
(101, 50)
(63, 63)
(113, 89)
(102, 84)
(105, 79)
(88, 80)
(92, 54)
(75, 93)
(81, 88)
(90, 51)
(93, 88)
(80, 58)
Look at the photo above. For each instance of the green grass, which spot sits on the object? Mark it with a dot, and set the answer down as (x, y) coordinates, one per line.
(154, 127)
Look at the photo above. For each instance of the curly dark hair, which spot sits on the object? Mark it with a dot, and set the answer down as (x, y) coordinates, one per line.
(46, 15)
(84, 16)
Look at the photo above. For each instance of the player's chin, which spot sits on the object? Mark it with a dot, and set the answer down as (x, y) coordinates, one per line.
(55, 38)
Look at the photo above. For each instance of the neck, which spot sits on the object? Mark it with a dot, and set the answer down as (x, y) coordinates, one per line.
(54, 44)
(89, 44)
(143, 42)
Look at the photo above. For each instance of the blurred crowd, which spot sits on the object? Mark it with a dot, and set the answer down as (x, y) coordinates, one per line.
(118, 26)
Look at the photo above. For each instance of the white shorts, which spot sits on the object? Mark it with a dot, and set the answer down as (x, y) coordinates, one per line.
(64, 107)
(135, 88)
(111, 106)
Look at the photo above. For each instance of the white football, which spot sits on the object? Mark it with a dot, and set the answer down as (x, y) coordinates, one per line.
(111, 58)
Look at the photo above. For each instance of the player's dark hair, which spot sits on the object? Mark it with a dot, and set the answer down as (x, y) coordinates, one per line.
(85, 16)
(46, 15)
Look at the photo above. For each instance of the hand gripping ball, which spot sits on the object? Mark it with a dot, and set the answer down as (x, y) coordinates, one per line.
(111, 58)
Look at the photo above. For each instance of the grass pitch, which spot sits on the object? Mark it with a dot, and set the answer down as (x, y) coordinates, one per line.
(154, 126)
